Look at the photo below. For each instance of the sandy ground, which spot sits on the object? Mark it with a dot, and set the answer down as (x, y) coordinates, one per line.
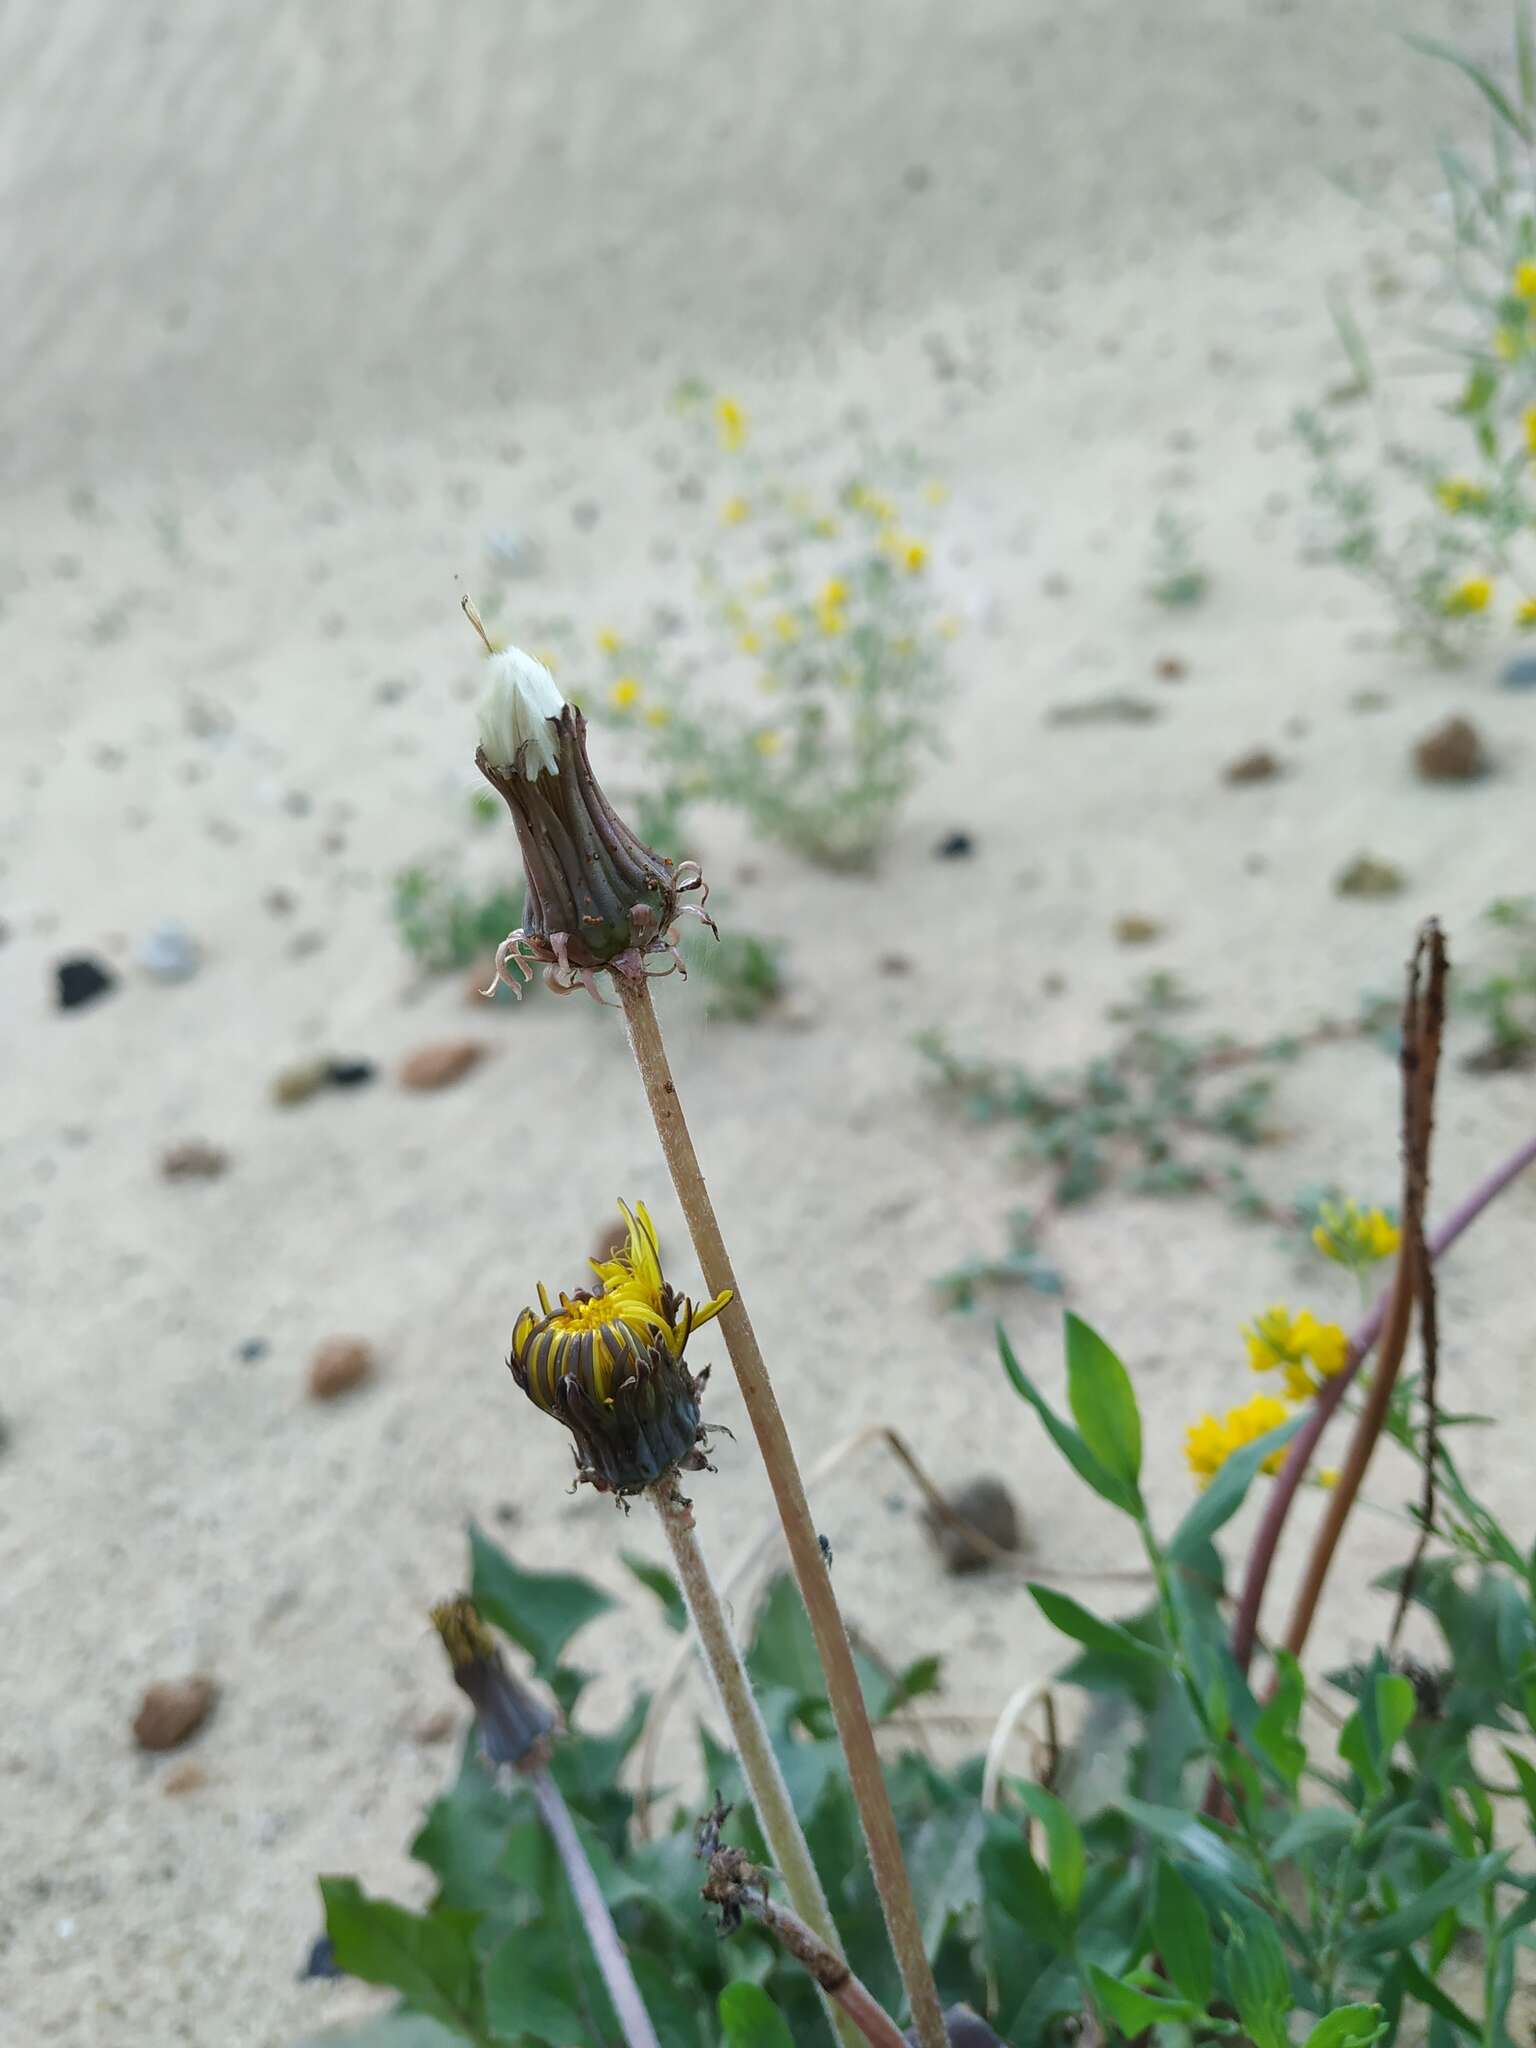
(305, 305)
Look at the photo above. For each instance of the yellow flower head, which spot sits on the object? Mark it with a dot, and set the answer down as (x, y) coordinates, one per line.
(1271, 1340)
(1506, 344)
(1525, 614)
(1328, 1475)
(831, 619)
(735, 510)
(1528, 421)
(731, 422)
(658, 715)
(624, 694)
(750, 642)
(768, 741)
(936, 493)
(1471, 595)
(913, 556)
(1524, 281)
(1325, 1344)
(1299, 1345)
(833, 592)
(1354, 1237)
(608, 1364)
(1208, 1443)
(609, 641)
(787, 627)
(1460, 494)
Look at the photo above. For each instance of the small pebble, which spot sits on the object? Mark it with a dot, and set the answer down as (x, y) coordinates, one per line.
(439, 1066)
(955, 846)
(1519, 674)
(170, 954)
(434, 1728)
(585, 514)
(340, 1364)
(1367, 876)
(279, 902)
(185, 1778)
(80, 981)
(1170, 668)
(251, 1348)
(894, 964)
(321, 1960)
(193, 1161)
(988, 1506)
(1258, 766)
(350, 1073)
(296, 1084)
(1135, 930)
(171, 1712)
(1453, 752)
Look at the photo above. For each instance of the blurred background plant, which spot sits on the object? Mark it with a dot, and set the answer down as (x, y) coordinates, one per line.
(1178, 579)
(1447, 534)
(827, 669)
(1504, 996)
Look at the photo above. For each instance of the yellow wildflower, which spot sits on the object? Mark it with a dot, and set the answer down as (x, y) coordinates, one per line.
(1528, 420)
(768, 741)
(824, 528)
(658, 715)
(735, 510)
(625, 692)
(834, 591)
(750, 642)
(1205, 1448)
(732, 424)
(1352, 1236)
(1506, 344)
(1459, 494)
(1471, 595)
(1524, 281)
(831, 619)
(1208, 1443)
(1298, 1345)
(1328, 1475)
(913, 556)
(1325, 1344)
(787, 626)
(1271, 1341)
(609, 641)
(1525, 614)
(936, 493)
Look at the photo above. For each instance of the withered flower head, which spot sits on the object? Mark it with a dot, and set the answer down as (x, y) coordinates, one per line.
(514, 1725)
(608, 1363)
(597, 897)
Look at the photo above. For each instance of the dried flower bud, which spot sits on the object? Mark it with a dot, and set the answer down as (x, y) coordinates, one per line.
(608, 1364)
(597, 896)
(514, 1726)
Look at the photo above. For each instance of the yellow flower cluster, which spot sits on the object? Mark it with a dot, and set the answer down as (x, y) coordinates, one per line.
(1355, 1237)
(1460, 494)
(1304, 1350)
(831, 615)
(735, 511)
(1209, 1443)
(626, 694)
(731, 423)
(1471, 595)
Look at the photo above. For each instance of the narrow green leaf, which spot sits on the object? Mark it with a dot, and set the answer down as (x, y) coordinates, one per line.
(1319, 1827)
(1348, 2026)
(1226, 1493)
(658, 1580)
(1492, 92)
(1182, 1933)
(1065, 1854)
(1397, 1930)
(1132, 2009)
(1103, 1402)
(1358, 1751)
(1428, 1992)
(1274, 1732)
(1525, 1772)
(751, 2019)
(1395, 1709)
(942, 1862)
(1191, 1837)
(1106, 1637)
(1525, 57)
(539, 1610)
(428, 1958)
(1259, 1980)
(1066, 1439)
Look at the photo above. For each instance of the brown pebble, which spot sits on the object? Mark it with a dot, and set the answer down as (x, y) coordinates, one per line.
(436, 1727)
(297, 1084)
(185, 1778)
(1367, 876)
(1169, 668)
(439, 1066)
(1132, 929)
(1453, 752)
(340, 1364)
(173, 1711)
(988, 1506)
(193, 1161)
(1258, 766)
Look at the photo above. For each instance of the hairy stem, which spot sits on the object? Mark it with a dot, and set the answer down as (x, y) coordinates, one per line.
(865, 1776)
(618, 1978)
(765, 1781)
(869, 2018)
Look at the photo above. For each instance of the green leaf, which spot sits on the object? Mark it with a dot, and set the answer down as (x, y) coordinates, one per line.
(1319, 1827)
(428, 1958)
(751, 2019)
(1397, 1930)
(1274, 1732)
(1108, 1638)
(389, 2030)
(658, 1580)
(1072, 1447)
(1065, 1855)
(1226, 1493)
(920, 1678)
(1190, 1836)
(541, 1611)
(1525, 1772)
(1259, 1980)
(530, 1987)
(1395, 1709)
(1428, 1992)
(1348, 2026)
(1132, 2009)
(1182, 1933)
(946, 1877)
(1103, 1402)
(1492, 92)
(1017, 1888)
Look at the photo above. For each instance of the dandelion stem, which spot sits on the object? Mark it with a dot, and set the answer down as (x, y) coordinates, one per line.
(865, 1776)
(765, 1781)
(618, 1978)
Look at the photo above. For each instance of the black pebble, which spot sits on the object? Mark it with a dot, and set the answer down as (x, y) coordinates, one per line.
(81, 981)
(322, 1960)
(350, 1073)
(958, 846)
(252, 1349)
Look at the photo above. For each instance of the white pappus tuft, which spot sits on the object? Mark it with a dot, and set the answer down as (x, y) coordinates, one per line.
(519, 700)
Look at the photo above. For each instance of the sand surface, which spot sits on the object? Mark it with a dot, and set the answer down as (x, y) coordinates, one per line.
(304, 307)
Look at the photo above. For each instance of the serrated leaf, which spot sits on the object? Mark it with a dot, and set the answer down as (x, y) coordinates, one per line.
(1132, 2009)
(1103, 1402)
(1226, 1493)
(1107, 1638)
(1066, 1439)
(1182, 1933)
(429, 1958)
(658, 1580)
(541, 1611)
(751, 2019)
(1348, 2026)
